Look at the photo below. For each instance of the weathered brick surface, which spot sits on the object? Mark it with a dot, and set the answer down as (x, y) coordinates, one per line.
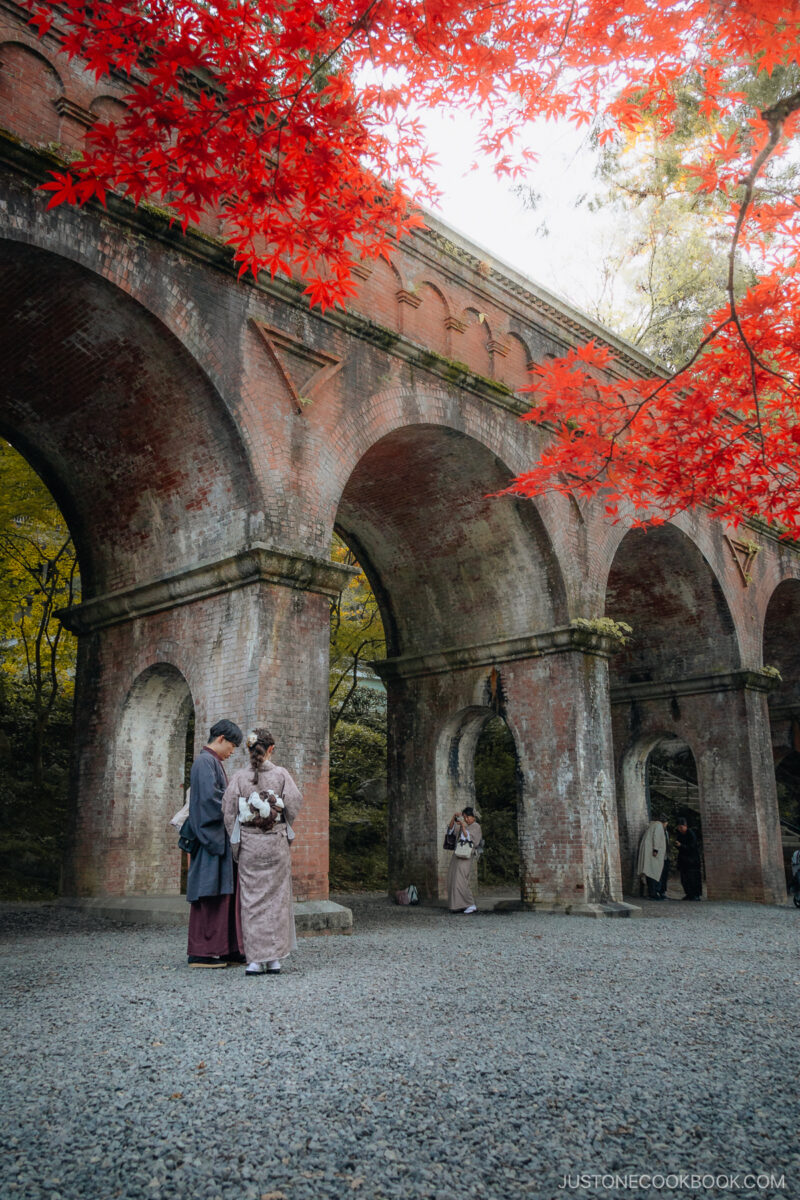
(180, 418)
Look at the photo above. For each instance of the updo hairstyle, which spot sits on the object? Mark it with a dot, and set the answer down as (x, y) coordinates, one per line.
(259, 750)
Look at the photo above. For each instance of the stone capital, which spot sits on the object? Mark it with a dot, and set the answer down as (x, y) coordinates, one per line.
(251, 565)
(755, 680)
(564, 639)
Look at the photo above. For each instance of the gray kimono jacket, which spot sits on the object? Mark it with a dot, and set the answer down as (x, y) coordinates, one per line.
(211, 868)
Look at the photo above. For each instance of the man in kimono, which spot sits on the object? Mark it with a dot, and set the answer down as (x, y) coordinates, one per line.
(652, 855)
(210, 882)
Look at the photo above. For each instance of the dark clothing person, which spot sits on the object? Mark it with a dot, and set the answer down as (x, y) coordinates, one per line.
(664, 880)
(689, 863)
(210, 882)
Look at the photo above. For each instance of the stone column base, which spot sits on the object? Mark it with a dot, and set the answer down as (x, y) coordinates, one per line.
(312, 917)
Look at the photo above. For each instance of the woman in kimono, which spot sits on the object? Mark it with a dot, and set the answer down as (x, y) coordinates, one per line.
(260, 805)
(459, 894)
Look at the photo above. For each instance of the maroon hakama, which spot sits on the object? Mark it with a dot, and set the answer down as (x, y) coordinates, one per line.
(212, 927)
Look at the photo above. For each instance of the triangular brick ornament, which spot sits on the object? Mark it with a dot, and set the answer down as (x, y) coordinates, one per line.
(743, 555)
(302, 369)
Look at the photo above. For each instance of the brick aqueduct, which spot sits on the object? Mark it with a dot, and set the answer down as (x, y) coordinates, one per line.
(204, 437)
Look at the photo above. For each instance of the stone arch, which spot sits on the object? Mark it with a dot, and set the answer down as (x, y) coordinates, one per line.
(425, 318)
(781, 646)
(459, 566)
(378, 289)
(456, 749)
(459, 576)
(455, 760)
(683, 672)
(354, 433)
(513, 367)
(455, 771)
(124, 427)
(149, 773)
(781, 649)
(30, 87)
(473, 346)
(633, 798)
(662, 585)
(108, 108)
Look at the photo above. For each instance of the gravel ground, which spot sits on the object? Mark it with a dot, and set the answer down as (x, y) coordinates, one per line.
(425, 1056)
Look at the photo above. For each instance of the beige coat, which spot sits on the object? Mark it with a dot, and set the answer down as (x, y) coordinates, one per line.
(652, 851)
(265, 868)
(459, 892)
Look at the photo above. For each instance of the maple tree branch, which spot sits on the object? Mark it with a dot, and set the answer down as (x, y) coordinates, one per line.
(565, 34)
(775, 118)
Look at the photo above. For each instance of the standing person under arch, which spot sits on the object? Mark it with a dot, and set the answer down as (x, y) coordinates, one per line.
(652, 857)
(210, 883)
(689, 861)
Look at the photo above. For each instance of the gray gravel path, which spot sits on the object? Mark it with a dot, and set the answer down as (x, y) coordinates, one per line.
(425, 1056)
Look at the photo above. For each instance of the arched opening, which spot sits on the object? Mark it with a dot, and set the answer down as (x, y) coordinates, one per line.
(120, 422)
(664, 588)
(39, 575)
(477, 766)
(357, 761)
(659, 781)
(498, 791)
(673, 793)
(782, 651)
(672, 688)
(150, 778)
(458, 577)
(145, 462)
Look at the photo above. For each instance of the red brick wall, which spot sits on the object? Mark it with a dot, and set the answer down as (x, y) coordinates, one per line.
(137, 381)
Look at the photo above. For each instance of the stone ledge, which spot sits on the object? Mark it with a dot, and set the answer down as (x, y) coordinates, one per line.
(312, 917)
(564, 639)
(754, 679)
(503, 904)
(254, 564)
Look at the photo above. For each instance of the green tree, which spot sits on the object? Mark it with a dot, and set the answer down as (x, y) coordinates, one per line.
(39, 576)
(497, 796)
(667, 267)
(356, 635)
(358, 830)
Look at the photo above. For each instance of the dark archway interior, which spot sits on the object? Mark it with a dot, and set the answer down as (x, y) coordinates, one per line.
(661, 585)
(672, 791)
(39, 575)
(126, 431)
(498, 787)
(450, 565)
(782, 645)
(781, 649)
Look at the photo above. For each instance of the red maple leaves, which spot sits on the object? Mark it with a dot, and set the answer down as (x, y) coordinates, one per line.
(289, 120)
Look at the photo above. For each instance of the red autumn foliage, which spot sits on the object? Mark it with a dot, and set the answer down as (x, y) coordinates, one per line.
(289, 119)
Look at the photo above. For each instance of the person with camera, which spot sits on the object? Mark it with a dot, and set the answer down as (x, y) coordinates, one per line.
(260, 805)
(465, 833)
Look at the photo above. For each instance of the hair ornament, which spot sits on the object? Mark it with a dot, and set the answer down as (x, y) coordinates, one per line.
(251, 739)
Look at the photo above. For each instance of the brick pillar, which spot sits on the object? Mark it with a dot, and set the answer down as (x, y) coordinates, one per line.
(558, 709)
(556, 705)
(416, 708)
(256, 650)
(724, 719)
(738, 796)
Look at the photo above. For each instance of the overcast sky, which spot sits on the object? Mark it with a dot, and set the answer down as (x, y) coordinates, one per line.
(486, 211)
